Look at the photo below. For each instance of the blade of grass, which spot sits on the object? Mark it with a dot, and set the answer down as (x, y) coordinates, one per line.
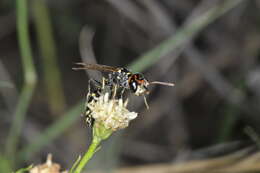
(5, 164)
(231, 116)
(253, 135)
(182, 36)
(30, 78)
(47, 47)
(51, 133)
(24, 170)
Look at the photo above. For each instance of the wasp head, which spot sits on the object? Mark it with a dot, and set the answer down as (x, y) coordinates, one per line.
(138, 84)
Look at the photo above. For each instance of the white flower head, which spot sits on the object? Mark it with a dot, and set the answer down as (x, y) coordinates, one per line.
(111, 113)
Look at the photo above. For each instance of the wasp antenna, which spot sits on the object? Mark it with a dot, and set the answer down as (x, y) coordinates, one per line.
(79, 68)
(80, 63)
(115, 89)
(126, 102)
(145, 102)
(162, 83)
(103, 83)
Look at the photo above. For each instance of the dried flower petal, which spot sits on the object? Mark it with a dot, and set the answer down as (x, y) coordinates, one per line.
(48, 167)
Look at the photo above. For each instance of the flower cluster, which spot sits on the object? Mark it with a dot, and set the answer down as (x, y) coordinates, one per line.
(110, 112)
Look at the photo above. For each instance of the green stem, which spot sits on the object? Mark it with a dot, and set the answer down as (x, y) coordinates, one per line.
(47, 45)
(30, 78)
(99, 133)
(88, 155)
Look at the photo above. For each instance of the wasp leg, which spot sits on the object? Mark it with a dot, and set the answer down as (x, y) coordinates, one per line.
(110, 80)
(146, 104)
(122, 93)
(96, 89)
(88, 97)
(96, 83)
(114, 91)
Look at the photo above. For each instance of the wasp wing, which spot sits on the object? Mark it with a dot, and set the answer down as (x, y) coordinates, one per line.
(98, 67)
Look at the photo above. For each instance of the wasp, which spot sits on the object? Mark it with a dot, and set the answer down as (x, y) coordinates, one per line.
(122, 77)
(117, 77)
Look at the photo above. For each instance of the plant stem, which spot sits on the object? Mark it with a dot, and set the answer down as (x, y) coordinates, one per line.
(88, 155)
(47, 45)
(30, 78)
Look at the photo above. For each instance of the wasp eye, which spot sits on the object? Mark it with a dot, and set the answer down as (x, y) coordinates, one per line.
(140, 76)
(133, 86)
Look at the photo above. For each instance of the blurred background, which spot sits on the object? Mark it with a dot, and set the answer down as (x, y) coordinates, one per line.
(210, 49)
